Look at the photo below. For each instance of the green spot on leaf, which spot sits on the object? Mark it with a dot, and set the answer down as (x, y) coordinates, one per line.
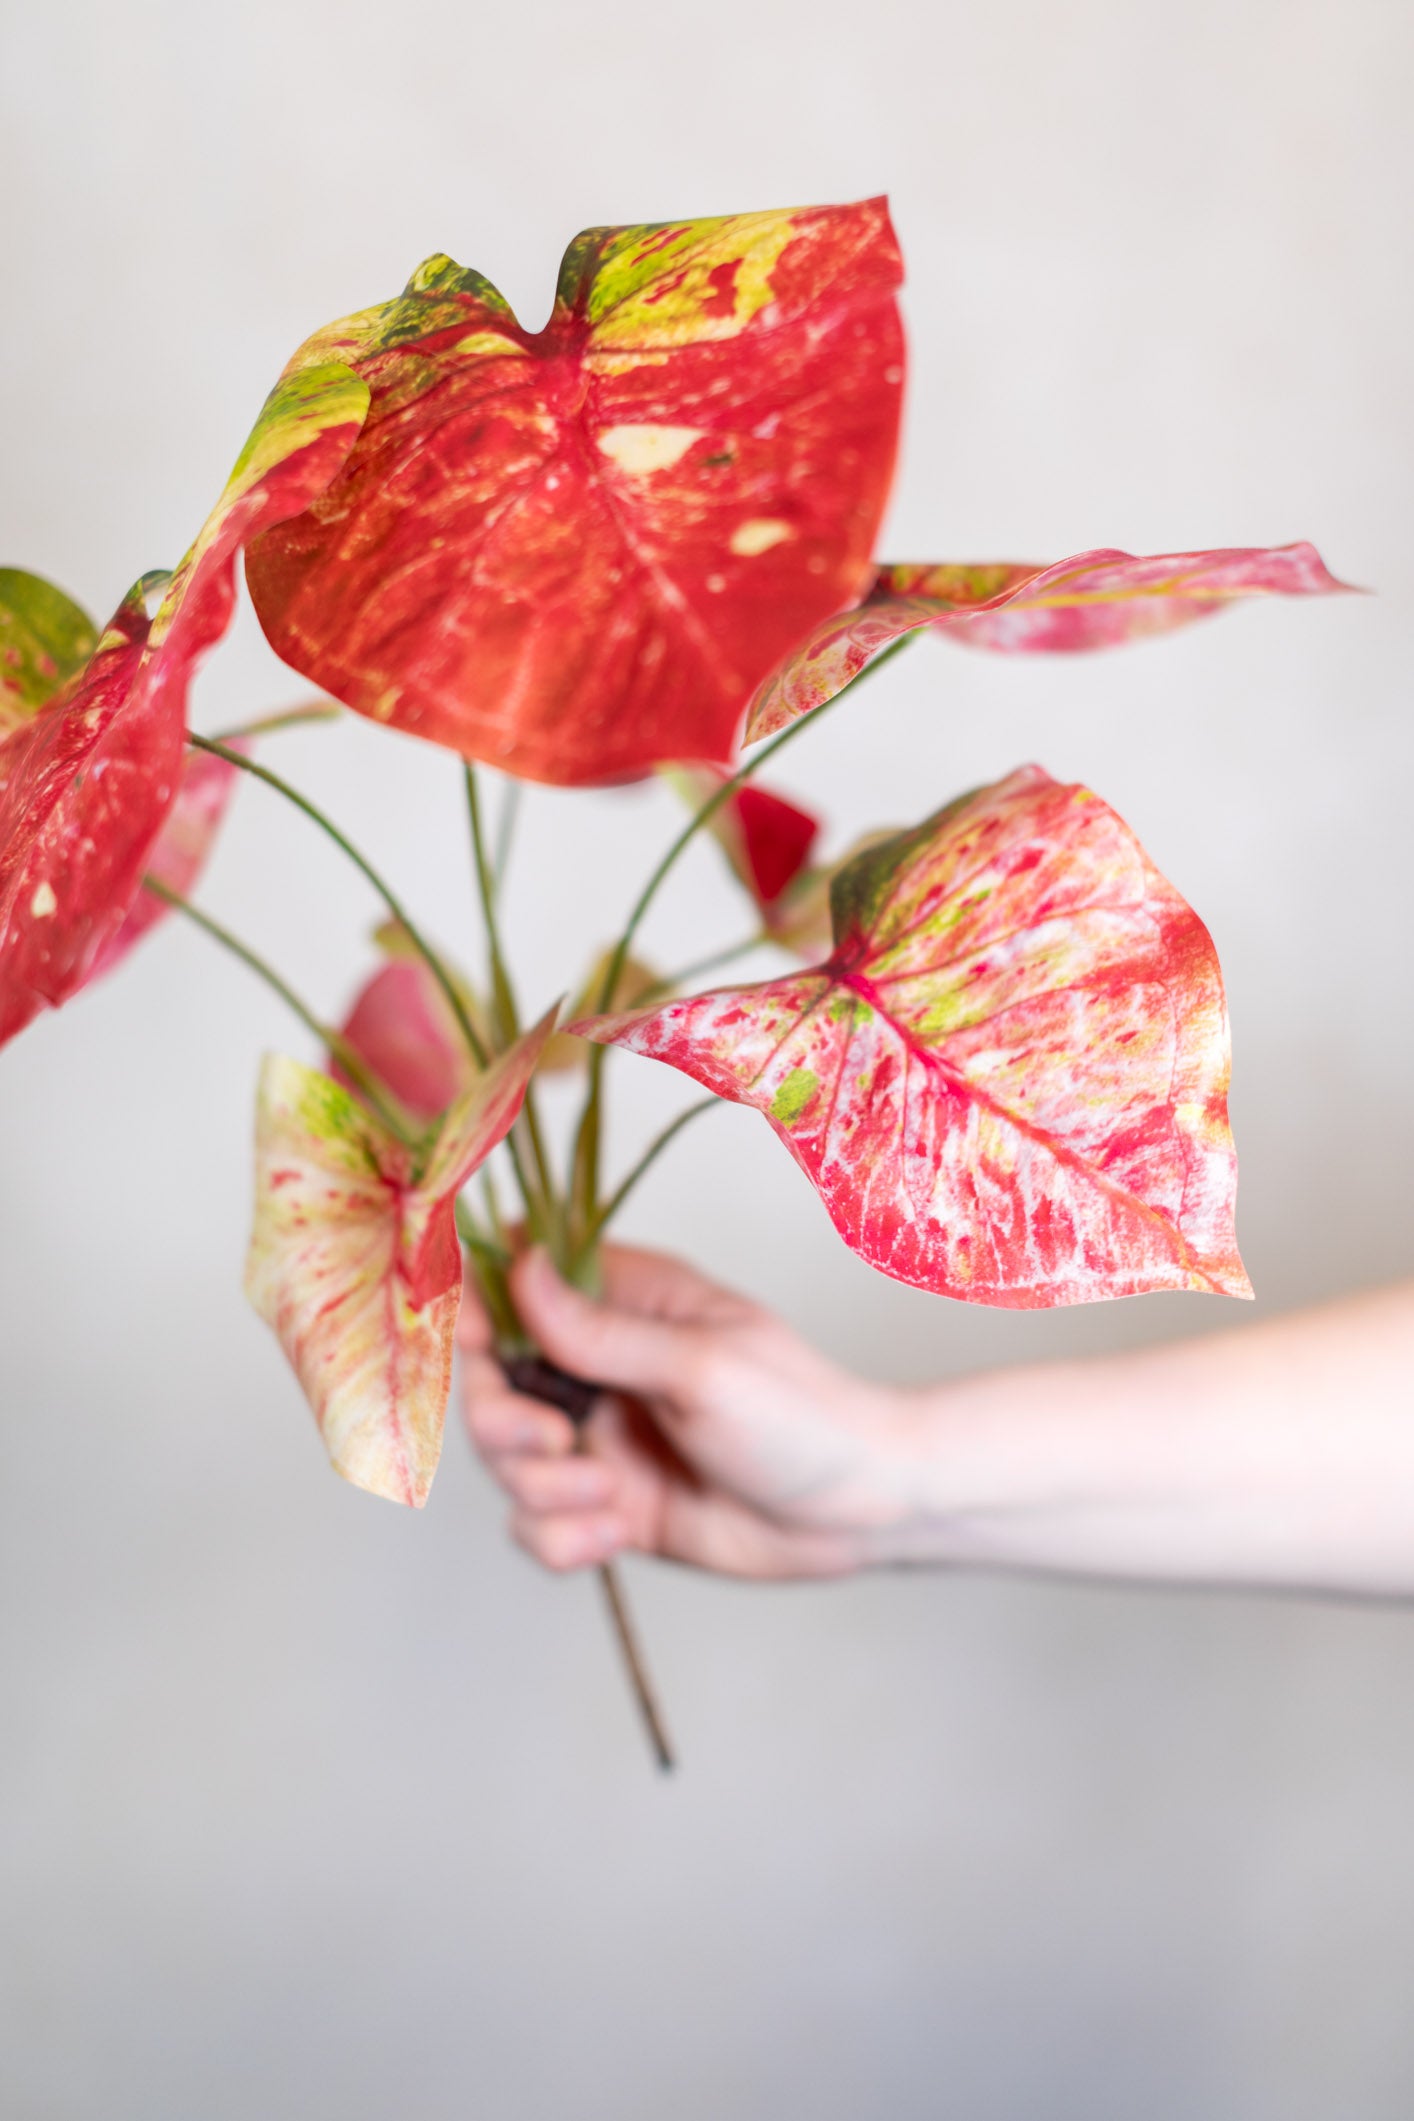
(794, 1095)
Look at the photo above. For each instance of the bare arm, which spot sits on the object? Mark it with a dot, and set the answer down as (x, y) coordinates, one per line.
(1277, 1454)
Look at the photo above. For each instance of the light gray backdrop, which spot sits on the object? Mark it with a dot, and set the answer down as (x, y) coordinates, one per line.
(316, 1811)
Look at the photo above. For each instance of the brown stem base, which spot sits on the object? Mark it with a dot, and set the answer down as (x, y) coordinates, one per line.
(575, 1396)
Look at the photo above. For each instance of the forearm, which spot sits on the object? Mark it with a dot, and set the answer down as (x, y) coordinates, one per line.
(1281, 1454)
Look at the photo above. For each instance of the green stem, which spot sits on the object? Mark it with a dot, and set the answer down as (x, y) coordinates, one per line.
(503, 995)
(391, 901)
(287, 718)
(333, 1040)
(507, 1019)
(491, 1267)
(717, 958)
(713, 804)
(649, 1157)
(505, 831)
(585, 1180)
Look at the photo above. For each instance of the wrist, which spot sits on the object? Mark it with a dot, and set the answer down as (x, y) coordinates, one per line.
(966, 1467)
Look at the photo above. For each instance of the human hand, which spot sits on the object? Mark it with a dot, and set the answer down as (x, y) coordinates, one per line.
(722, 1440)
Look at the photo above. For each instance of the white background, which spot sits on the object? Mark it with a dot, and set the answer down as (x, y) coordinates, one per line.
(311, 1808)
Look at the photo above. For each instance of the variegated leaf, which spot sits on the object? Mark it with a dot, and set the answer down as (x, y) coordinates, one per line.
(354, 1258)
(1009, 1081)
(1096, 600)
(574, 553)
(86, 783)
(44, 639)
(800, 920)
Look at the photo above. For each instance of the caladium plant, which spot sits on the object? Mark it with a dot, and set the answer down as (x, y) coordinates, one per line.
(633, 543)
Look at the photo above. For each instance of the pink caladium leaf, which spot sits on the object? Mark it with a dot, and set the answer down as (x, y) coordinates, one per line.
(766, 839)
(574, 553)
(86, 783)
(1096, 600)
(402, 1026)
(354, 1259)
(1009, 1081)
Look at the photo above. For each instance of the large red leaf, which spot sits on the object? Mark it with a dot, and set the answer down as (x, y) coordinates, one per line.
(354, 1258)
(1009, 1081)
(1096, 600)
(87, 782)
(573, 553)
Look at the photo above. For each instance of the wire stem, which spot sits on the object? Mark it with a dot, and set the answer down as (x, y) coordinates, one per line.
(643, 1689)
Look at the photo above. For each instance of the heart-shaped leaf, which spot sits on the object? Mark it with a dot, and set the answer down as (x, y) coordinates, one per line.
(1009, 1082)
(354, 1258)
(1096, 600)
(574, 553)
(44, 639)
(86, 783)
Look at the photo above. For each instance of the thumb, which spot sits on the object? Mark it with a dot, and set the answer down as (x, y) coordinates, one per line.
(596, 1340)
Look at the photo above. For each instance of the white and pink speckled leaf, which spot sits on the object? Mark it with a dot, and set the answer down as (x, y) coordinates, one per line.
(1095, 600)
(354, 1258)
(1009, 1081)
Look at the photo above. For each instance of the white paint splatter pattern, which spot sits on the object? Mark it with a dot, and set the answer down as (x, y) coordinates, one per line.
(1009, 1083)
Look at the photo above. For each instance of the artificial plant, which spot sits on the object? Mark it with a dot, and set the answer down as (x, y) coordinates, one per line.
(631, 543)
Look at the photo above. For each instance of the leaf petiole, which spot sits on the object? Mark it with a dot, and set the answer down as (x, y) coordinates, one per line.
(287, 718)
(332, 1040)
(649, 1157)
(585, 1180)
(391, 901)
(541, 1202)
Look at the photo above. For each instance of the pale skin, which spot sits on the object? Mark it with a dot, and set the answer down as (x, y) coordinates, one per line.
(1276, 1454)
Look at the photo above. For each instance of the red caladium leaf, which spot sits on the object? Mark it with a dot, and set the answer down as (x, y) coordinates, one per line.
(1096, 600)
(354, 1259)
(86, 783)
(179, 853)
(44, 639)
(1009, 1081)
(573, 553)
(767, 840)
